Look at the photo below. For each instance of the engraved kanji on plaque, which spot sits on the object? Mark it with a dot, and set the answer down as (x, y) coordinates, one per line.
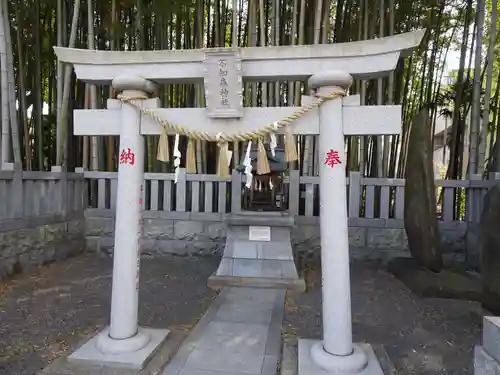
(223, 83)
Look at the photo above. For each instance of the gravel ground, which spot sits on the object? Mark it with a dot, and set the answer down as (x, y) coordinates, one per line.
(421, 336)
(44, 313)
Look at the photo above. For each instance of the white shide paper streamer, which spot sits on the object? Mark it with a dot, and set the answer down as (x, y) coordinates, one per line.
(247, 162)
(177, 158)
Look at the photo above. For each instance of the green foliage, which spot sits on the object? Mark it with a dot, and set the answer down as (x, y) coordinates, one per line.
(173, 24)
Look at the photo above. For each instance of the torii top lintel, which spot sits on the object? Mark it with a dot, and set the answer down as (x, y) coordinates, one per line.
(363, 59)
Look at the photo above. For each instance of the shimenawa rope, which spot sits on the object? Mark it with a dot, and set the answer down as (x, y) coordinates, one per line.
(222, 139)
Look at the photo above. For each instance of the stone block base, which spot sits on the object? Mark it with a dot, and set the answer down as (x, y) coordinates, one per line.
(487, 356)
(204, 233)
(484, 364)
(89, 353)
(258, 260)
(306, 366)
(156, 364)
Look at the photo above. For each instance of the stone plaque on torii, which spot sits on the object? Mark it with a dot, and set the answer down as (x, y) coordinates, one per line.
(329, 68)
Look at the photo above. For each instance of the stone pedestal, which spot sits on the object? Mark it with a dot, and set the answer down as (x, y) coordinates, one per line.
(90, 354)
(306, 364)
(251, 259)
(487, 356)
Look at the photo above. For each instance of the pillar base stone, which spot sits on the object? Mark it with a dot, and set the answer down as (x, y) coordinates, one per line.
(487, 356)
(132, 354)
(351, 364)
(108, 345)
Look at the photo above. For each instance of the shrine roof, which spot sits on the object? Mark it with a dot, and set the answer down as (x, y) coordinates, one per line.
(277, 162)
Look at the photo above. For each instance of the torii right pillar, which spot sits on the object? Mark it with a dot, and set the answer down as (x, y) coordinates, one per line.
(336, 353)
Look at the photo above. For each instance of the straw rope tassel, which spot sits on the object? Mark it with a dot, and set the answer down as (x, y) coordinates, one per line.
(223, 139)
(262, 161)
(191, 156)
(163, 153)
(223, 168)
(290, 148)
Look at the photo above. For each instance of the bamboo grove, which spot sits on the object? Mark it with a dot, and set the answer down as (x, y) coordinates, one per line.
(38, 93)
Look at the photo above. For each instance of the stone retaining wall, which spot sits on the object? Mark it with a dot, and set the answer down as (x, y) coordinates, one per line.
(186, 233)
(27, 243)
(42, 218)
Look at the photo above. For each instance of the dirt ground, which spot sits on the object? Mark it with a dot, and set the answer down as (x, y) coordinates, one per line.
(44, 313)
(422, 336)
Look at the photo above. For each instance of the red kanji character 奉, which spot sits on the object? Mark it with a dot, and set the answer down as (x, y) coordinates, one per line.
(332, 158)
(127, 157)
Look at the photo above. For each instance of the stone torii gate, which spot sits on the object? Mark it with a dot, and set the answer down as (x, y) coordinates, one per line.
(329, 68)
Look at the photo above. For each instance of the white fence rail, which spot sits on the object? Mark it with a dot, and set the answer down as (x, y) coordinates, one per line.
(40, 193)
(368, 198)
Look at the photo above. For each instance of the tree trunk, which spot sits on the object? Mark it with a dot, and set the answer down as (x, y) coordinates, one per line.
(62, 149)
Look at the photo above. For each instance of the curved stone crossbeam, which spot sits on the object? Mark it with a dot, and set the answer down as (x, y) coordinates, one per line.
(363, 59)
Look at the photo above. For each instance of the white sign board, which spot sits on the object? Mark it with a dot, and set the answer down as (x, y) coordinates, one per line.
(259, 234)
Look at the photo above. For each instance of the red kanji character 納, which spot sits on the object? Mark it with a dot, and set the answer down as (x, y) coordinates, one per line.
(332, 158)
(127, 157)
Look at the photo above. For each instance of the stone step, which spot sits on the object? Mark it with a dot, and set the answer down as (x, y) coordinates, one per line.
(241, 249)
(292, 285)
(257, 273)
(258, 257)
(265, 268)
(267, 219)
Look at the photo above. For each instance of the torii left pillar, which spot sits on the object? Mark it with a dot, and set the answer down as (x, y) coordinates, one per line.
(124, 344)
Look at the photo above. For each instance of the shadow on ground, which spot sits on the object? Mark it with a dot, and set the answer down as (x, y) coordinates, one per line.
(44, 313)
(422, 336)
(451, 282)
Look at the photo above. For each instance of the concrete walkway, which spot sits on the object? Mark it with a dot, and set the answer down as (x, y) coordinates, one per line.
(239, 334)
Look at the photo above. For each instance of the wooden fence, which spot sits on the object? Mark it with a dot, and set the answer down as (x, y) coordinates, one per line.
(33, 194)
(369, 198)
(40, 193)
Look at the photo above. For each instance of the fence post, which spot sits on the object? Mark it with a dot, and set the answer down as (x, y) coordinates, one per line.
(78, 190)
(495, 177)
(354, 193)
(180, 191)
(293, 193)
(474, 202)
(473, 199)
(62, 187)
(16, 196)
(235, 191)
